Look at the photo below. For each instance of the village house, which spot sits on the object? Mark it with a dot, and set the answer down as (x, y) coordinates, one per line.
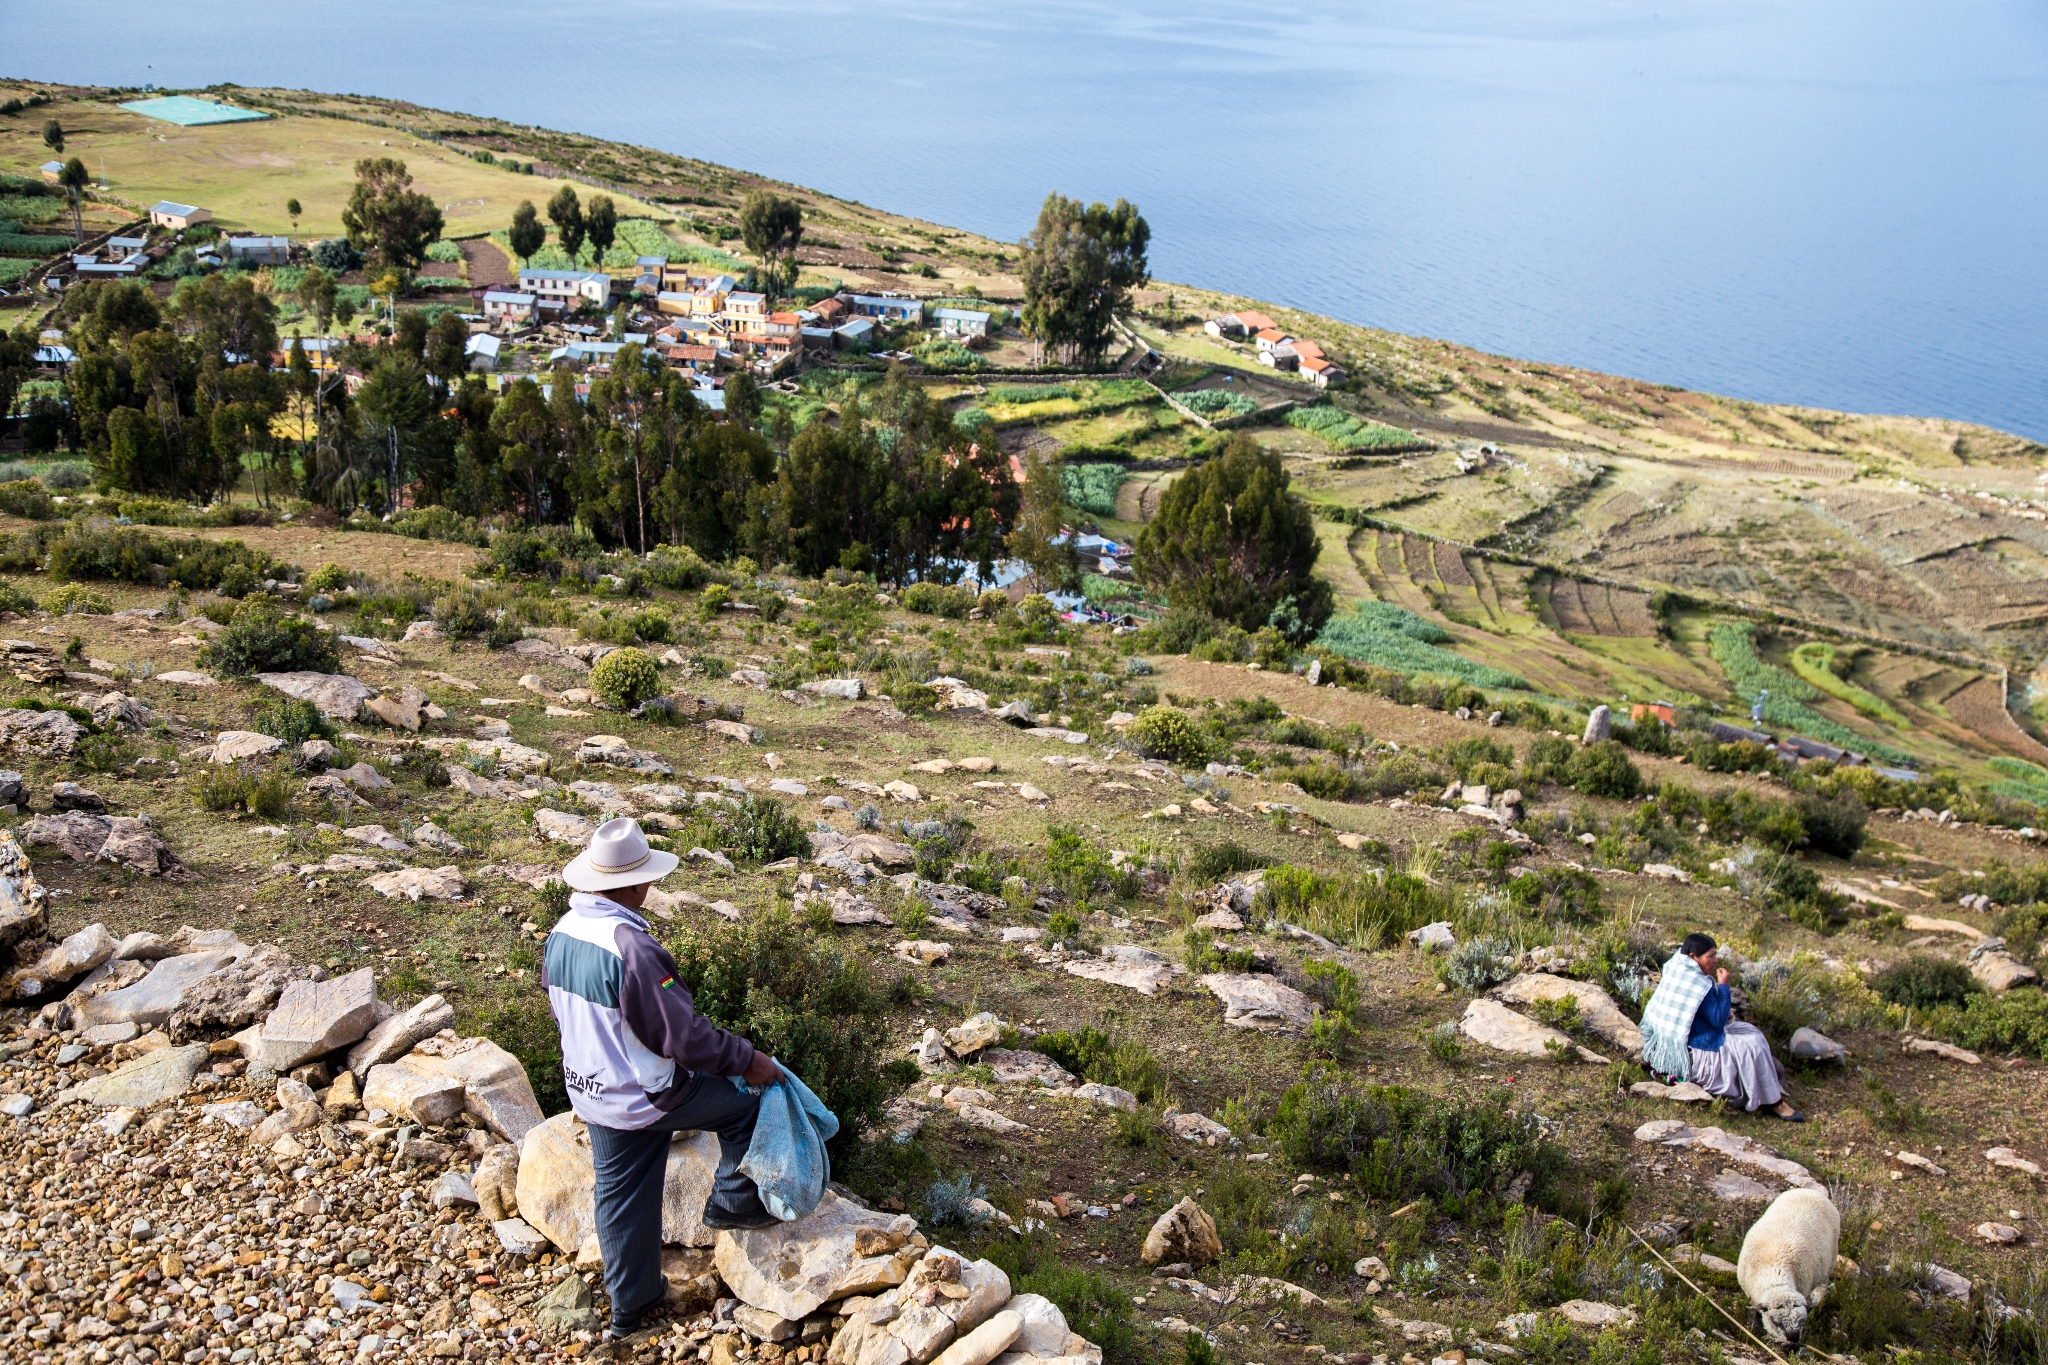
(53, 171)
(961, 322)
(745, 317)
(178, 217)
(1322, 372)
(568, 289)
(261, 250)
(887, 308)
(829, 312)
(121, 248)
(854, 334)
(125, 268)
(1239, 325)
(502, 305)
(482, 350)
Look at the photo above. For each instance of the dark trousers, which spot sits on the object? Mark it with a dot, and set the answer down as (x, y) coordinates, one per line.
(630, 1164)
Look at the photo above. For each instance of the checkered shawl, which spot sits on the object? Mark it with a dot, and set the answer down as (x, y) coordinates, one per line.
(1667, 1020)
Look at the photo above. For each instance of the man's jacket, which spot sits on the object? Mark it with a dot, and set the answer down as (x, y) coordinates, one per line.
(631, 1037)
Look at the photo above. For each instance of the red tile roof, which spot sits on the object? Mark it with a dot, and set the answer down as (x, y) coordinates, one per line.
(1258, 322)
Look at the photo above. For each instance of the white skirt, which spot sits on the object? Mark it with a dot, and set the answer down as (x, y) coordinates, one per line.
(1743, 1070)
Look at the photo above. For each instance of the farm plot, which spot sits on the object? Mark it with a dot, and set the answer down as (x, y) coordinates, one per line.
(1581, 608)
(1979, 704)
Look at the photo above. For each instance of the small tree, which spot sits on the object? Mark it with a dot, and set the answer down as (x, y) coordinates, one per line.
(447, 349)
(53, 136)
(1231, 541)
(771, 226)
(291, 208)
(386, 213)
(1055, 563)
(602, 225)
(526, 234)
(1079, 267)
(565, 211)
(74, 180)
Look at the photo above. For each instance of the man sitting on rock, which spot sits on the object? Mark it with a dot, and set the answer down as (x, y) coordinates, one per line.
(1690, 1034)
(641, 1064)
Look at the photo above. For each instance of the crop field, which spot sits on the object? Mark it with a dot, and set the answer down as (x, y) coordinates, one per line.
(245, 172)
(1582, 608)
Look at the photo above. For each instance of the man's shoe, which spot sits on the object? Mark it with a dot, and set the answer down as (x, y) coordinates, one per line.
(754, 1215)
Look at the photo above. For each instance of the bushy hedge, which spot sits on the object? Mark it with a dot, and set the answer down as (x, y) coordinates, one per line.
(264, 637)
(818, 1011)
(626, 677)
(100, 550)
(1165, 733)
(939, 599)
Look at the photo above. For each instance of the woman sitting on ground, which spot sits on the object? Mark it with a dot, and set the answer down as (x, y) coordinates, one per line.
(1690, 1034)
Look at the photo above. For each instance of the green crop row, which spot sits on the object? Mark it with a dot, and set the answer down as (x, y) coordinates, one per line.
(13, 268)
(1734, 648)
(1027, 393)
(1092, 487)
(31, 244)
(1217, 402)
(30, 209)
(1345, 431)
(1386, 636)
(1813, 662)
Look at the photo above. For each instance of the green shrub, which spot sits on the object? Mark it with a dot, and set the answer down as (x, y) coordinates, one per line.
(462, 615)
(15, 600)
(525, 1027)
(993, 604)
(73, 599)
(1478, 964)
(1556, 893)
(1834, 827)
(1094, 1305)
(625, 678)
(329, 577)
(27, 498)
(676, 567)
(291, 720)
(2016, 1021)
(1095, 1056)
(1166, 733)
(1604, 769)
(1324, 781)
(1785, 995)
(1399, 1143)
(545, 551)
(759, 829)
(1214, 862)
(939, 599)
(265, 638)
(820, 1013)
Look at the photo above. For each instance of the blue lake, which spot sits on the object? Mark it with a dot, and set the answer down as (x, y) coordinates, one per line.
(1820, 202)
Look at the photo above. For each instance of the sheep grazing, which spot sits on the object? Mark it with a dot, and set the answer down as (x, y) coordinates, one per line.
(1787, 1256)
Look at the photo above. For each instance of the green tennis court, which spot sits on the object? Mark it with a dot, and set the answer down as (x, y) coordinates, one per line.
(187, 112)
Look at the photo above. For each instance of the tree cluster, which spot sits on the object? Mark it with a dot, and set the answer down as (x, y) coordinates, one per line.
(1079, 266)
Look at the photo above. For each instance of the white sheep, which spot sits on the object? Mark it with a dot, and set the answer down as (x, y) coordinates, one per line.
(1787, 1256)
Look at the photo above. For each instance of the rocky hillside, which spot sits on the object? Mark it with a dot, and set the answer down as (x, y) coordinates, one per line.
(1145, 1051)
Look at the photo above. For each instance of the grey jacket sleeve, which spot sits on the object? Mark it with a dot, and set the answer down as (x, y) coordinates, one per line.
(662, 1014)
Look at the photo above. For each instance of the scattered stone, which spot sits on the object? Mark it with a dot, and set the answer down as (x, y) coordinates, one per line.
(1494, 1025)
(1184, 1232)
(1599, 725)
(1817, 1047)
(566, 1309)
(1255, 1001)
(922, 951)
(1685, 1092)
(1434, 938)
(234, 746)
(1941, 1049)
(337, 695)
(148, 1080)
(151, 1001)
(408, 1092)
(420, 883)
(563, 827)
(1744, 1150)
(499, 1095)
(1195, 1128)
(185, 677)
(519, 1238)
(376, 836)
(846, 689)
(980, 1031)
(2006, 1159)
(1583, 1312)
(313, 1018)
(399, 1034)
(1596, 1007)
(613, 751)
(1144, 975)
(49, 734)
(1918, 1162)
(1998, 1234)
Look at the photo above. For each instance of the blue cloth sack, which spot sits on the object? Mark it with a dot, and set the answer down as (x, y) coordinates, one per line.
(787, 1157)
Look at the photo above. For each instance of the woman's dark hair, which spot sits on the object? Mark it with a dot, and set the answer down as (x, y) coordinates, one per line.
(1695, 944)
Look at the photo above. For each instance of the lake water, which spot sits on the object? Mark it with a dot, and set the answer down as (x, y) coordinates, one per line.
(1818, 202)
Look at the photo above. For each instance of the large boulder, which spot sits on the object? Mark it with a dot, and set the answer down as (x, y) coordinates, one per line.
(1184, 1232)
(943, 1298)
(233, 746)
(1255, 1001)
(63, 962)
(563, 827)
(22, 910)
(406, 1092)
(52, 734)
(500, 1095)
(399, 1034)
(420, 883)
(124, 840)
(794, 1268)
(150, 1079)
(555, 1184)
(313, 1018)
(235, 996)
(336, 694)
(1494, 1025)
(150, 1001)
(1596, 1007)
(496, 1182)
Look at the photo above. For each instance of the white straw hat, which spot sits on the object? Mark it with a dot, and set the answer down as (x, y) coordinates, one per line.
(618, 856)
